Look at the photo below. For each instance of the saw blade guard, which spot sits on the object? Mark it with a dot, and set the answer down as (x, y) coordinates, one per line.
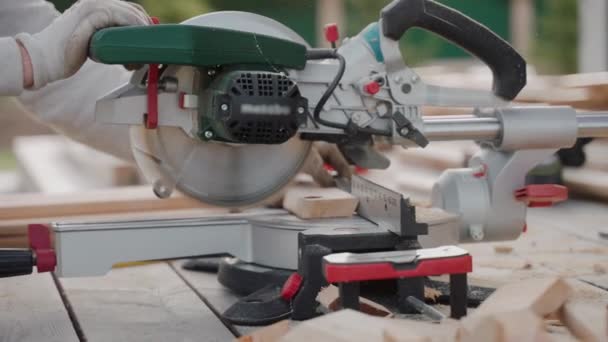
(224, 174)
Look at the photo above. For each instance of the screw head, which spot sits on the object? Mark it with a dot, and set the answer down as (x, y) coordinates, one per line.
(476, 232)
(161, 190)
(224, 107)
(404, 131)
(415, 78)
(356, 118)
(398, 79)
(208, 134)
(301, 110)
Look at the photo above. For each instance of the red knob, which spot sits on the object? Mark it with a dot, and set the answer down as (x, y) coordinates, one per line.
(542, 195)
(291, 286)
(372, 87)
(331, 33)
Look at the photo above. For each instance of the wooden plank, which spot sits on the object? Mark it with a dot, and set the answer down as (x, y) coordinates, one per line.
(31, 309)
(581, 218)
(309, 203)
(540, 296)
(104, 169)
(55, 164)
(586, 320)
(509, 326)
(208, 287)
(349, 325)
(270, 333)
(104, 201)
(587, 182)
(143, 303)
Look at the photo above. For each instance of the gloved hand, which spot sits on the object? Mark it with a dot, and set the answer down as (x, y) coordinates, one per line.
(58, 51)
(324, 153)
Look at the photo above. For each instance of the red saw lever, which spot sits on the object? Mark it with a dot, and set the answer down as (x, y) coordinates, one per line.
(151, 117)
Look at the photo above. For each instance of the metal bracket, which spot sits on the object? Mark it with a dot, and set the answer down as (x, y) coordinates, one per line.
(387, 208)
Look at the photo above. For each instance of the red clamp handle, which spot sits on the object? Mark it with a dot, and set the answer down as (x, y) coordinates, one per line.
(40, 242)
(387, 270)
(292, 286)
(542, 195)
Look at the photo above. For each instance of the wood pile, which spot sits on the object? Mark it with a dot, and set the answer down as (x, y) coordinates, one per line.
(531, 310)
(55, 164)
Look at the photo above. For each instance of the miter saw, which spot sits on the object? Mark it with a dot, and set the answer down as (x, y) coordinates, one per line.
(226, 110)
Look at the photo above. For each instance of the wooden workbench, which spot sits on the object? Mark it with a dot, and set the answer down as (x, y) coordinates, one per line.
(162, 302)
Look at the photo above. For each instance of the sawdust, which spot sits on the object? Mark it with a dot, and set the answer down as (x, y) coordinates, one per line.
(599, 269)
(527, 266)
(502, 249)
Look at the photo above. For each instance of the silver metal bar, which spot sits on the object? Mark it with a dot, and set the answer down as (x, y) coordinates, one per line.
(461, 127)
(425, 309)
(593, 125)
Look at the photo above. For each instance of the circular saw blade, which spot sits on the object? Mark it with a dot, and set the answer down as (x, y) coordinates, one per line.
(218, 173)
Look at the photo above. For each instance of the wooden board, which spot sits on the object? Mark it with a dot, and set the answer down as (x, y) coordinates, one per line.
(309, 203)
(587, 182)
(208, 287)
(49, 163)
(143, 303)
(31, 310)
(105, 201)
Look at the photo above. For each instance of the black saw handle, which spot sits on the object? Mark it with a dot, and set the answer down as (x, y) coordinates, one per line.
(16, 262)
(508, 67)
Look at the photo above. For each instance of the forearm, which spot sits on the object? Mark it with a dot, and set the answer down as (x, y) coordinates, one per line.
(69, 107)
(19, 16)
(26, 63)
(39, 71)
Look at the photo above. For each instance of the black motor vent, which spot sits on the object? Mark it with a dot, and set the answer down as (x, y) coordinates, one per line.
(259, 108)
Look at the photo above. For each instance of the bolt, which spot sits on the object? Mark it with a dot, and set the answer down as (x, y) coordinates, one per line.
(476, 232)
(406, 88)
(415, 79)
(382, 109)
(356, 117)
(224, 107)
(208, 134)
(161, 190)
(301, 110)
(398, 79)
(404, 131)
(169, 84)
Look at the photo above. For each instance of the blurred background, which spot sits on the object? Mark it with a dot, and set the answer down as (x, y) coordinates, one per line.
(558, 37)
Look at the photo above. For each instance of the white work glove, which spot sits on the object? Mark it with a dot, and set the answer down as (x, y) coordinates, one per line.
(58, 51)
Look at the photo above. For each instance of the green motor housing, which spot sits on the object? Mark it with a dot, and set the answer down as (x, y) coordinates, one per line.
(251, 107)
(193, 45)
